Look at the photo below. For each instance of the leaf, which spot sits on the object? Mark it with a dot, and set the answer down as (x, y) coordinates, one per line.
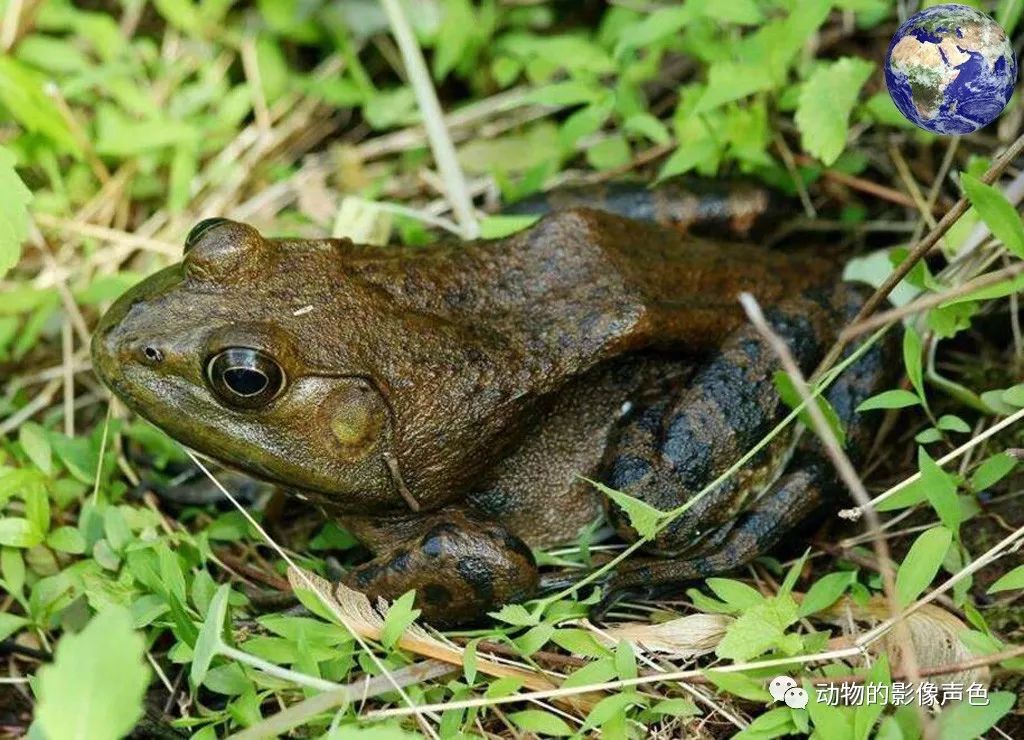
(921, 564)
(736, 594)
(625, 660)
(966, 720)
(826, 591)
(826, 100)
(739, 685)
(36, 445)
(14, 199)
(912, 361)
(897, 399)
(540, 722)
(515, 614)
(598, 671)
(729, 81)
(950, 423)
(209, 640)
(1012, 580)
(643, 517)
(940, 488)
(791, 397)
(534, 639)
(400, 616)
(992, 471)
(758, 629)
(996, 211)
(93, 689)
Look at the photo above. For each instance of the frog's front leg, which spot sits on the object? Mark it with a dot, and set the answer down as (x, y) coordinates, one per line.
(461, 564)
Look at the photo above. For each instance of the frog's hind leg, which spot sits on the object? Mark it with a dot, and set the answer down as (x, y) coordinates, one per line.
(808, 486)
(692, 205)
(461, 564)
(754, 532)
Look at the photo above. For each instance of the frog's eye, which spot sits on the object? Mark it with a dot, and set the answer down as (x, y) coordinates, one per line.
(200, 229)
(245, 378)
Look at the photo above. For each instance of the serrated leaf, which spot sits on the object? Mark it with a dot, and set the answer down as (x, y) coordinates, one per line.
(515, 614)
(826, 101)
(93, 689)
(643, 517)
(922, 562)
(996, 211)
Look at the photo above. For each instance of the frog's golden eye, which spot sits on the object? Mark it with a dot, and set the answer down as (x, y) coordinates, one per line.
(200, 229)
(244, 378)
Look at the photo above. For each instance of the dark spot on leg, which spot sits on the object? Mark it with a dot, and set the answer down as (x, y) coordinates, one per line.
(627, 470)
(400, 562)
(437, 595)
(479, 575)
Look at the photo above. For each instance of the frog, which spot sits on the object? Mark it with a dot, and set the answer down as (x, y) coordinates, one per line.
(453, 405)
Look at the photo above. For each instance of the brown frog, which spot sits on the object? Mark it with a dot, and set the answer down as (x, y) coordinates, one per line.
(443, 402)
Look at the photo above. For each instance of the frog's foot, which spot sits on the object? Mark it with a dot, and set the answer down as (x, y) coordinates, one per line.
(789, 501)
(460, 566)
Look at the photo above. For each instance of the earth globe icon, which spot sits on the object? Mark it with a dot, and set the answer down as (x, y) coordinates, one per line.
(950, 69)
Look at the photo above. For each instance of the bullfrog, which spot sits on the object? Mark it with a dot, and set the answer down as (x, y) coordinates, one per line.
(450, 404)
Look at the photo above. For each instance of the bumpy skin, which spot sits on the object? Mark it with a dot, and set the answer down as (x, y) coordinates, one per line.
(467, 385)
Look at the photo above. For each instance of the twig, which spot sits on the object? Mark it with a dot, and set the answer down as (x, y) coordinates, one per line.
(433, 120)
(921, 249)
(980, 661)
(931, 301)
(279, 724)
(841, 462)
(856, 512)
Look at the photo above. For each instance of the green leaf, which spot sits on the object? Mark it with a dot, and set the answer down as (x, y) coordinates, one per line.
(965, 720)
(625, 660)
(922, 563)
(791, 397)
(515, 614)
(940, 488)
(540, 722)
(36, 445)
(997, 213)
(643, 517)
(773, 723)
(66, 539)
(599, 671)
(17, 531)
(736, 594)
(1008, 14)
(209, 640)
(897, 399)
(14, 199)
(609, 153)
(93, 689)
(992, 471)
(10, 623)
(758, 629)
(611, 706)
(400, 616)
(826, 100)
(739, 685)
(1012, 580)
(826, 591)
(534, 638)
(950, 423)
(729, 81)
(912, 361)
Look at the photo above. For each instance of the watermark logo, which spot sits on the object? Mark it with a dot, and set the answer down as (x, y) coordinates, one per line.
(898, 693)
(784, 688)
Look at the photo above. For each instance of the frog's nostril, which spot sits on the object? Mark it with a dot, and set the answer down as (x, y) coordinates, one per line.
(152, 354)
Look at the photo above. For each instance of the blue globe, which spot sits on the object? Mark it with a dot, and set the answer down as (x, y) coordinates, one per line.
(950, 69)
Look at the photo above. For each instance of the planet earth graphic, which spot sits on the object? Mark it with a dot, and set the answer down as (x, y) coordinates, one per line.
(950, 69)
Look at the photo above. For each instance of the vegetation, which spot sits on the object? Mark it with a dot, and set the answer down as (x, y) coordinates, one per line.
(125, 605)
